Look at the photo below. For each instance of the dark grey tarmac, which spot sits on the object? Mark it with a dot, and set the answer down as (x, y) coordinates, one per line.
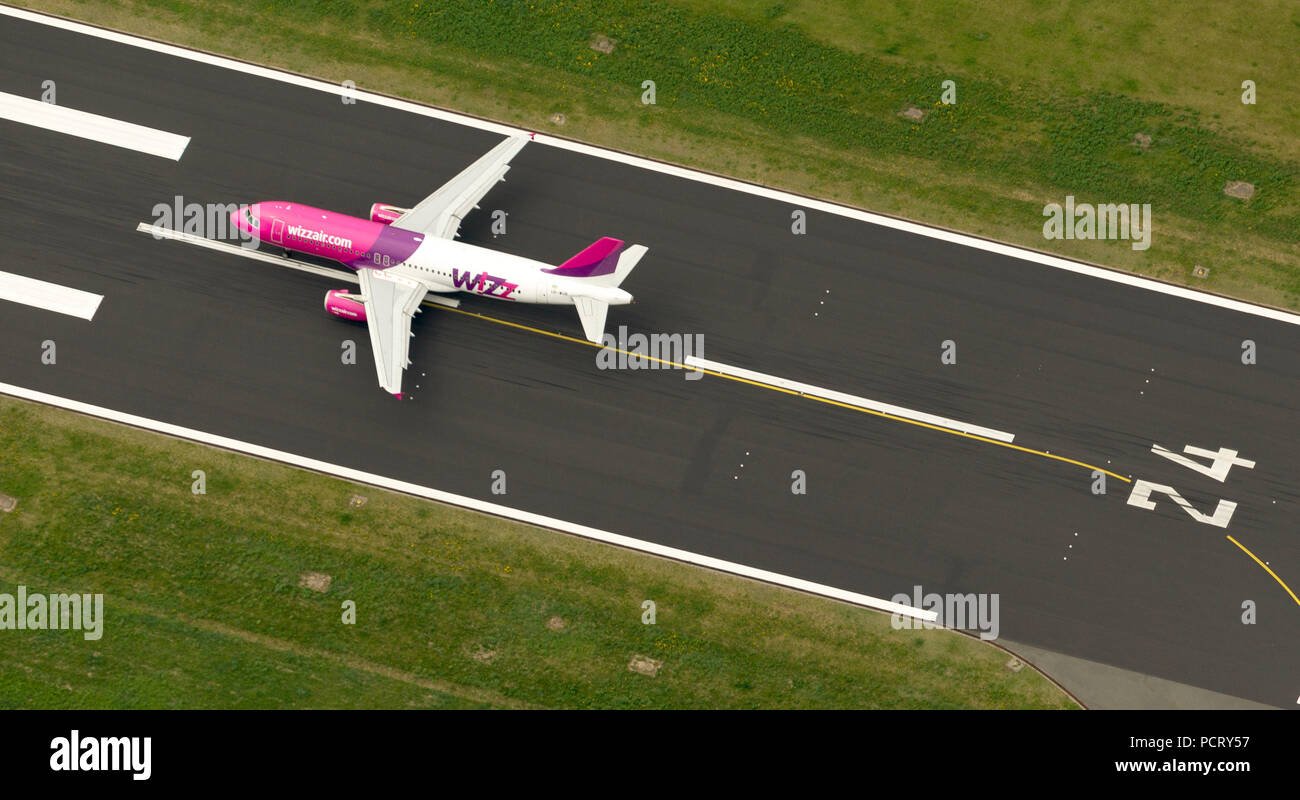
(1089, 369)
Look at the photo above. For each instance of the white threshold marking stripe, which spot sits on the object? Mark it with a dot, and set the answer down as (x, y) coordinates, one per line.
(528, 517)
(127, 135)
(965, 240)
(848, 399)
(159, 232)
(49, 296)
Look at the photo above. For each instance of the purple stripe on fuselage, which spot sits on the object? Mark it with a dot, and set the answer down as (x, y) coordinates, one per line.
(395, 243)
(598, 258)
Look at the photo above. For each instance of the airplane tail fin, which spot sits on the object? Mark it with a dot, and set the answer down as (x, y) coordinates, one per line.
(603, 263)
(627, 261)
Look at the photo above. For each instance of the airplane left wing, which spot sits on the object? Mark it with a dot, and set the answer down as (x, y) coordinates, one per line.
(391, 301)
(440, 213)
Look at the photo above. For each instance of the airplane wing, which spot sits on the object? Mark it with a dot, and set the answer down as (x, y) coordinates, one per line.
(390, 301)
(440, 213)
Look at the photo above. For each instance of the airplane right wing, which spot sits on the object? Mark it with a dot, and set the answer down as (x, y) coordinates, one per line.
(440, 213)
(390, 301)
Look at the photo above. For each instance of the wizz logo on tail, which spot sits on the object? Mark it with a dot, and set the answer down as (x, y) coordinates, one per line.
(483, 283)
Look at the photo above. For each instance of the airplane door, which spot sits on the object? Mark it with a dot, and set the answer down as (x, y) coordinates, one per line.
(277, 231)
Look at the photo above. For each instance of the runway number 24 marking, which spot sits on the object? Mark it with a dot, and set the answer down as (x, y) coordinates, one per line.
(1220, 463)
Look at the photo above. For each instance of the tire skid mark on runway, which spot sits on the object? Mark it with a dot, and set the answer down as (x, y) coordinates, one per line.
(873, 412)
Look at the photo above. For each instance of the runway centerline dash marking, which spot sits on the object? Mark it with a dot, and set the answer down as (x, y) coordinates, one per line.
(85, 125)
(49, 296)
(850, 400)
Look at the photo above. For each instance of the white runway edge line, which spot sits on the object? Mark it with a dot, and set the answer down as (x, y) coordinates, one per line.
(49, 296)
(92, 126)
(526, 517)
(848, 399)
(965, 240)
(280, 261)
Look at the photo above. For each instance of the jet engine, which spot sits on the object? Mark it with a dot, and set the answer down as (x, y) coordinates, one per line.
(348, 306)
(382, 212)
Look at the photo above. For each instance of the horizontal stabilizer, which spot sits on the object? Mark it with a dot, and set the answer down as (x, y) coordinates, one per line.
(592, 313)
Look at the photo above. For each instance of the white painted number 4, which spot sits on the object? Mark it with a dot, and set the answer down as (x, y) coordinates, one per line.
(1220, 463)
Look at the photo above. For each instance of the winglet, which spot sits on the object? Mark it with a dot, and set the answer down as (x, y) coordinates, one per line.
(398, 395)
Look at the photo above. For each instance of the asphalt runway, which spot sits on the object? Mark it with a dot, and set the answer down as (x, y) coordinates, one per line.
(1089, 369)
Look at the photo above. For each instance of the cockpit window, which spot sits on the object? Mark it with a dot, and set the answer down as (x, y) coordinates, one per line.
(248, 215)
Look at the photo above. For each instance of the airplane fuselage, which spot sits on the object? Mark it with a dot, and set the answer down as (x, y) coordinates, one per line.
(441, 265)
(402, 255)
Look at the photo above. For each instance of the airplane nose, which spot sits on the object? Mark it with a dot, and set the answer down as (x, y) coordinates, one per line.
(239, 217)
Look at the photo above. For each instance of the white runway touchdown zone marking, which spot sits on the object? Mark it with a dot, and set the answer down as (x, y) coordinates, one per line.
(49, 296)
(127, 135)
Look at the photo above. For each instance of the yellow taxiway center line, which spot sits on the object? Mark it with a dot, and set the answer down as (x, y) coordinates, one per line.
(1266, 569)
(783, 390)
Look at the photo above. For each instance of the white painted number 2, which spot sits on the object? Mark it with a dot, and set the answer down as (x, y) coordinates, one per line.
(1141, 497)
(1221, 462)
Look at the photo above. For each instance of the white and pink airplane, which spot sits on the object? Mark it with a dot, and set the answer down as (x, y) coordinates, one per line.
(400, 255)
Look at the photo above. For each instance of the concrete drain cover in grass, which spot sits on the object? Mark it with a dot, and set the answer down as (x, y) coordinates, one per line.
(357, 501)
(645, 665)
(913, 113)
(603, 44)
(8, 503)
(1201, 272)
(1239, 189)
(316, 581)
(1015, 664)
